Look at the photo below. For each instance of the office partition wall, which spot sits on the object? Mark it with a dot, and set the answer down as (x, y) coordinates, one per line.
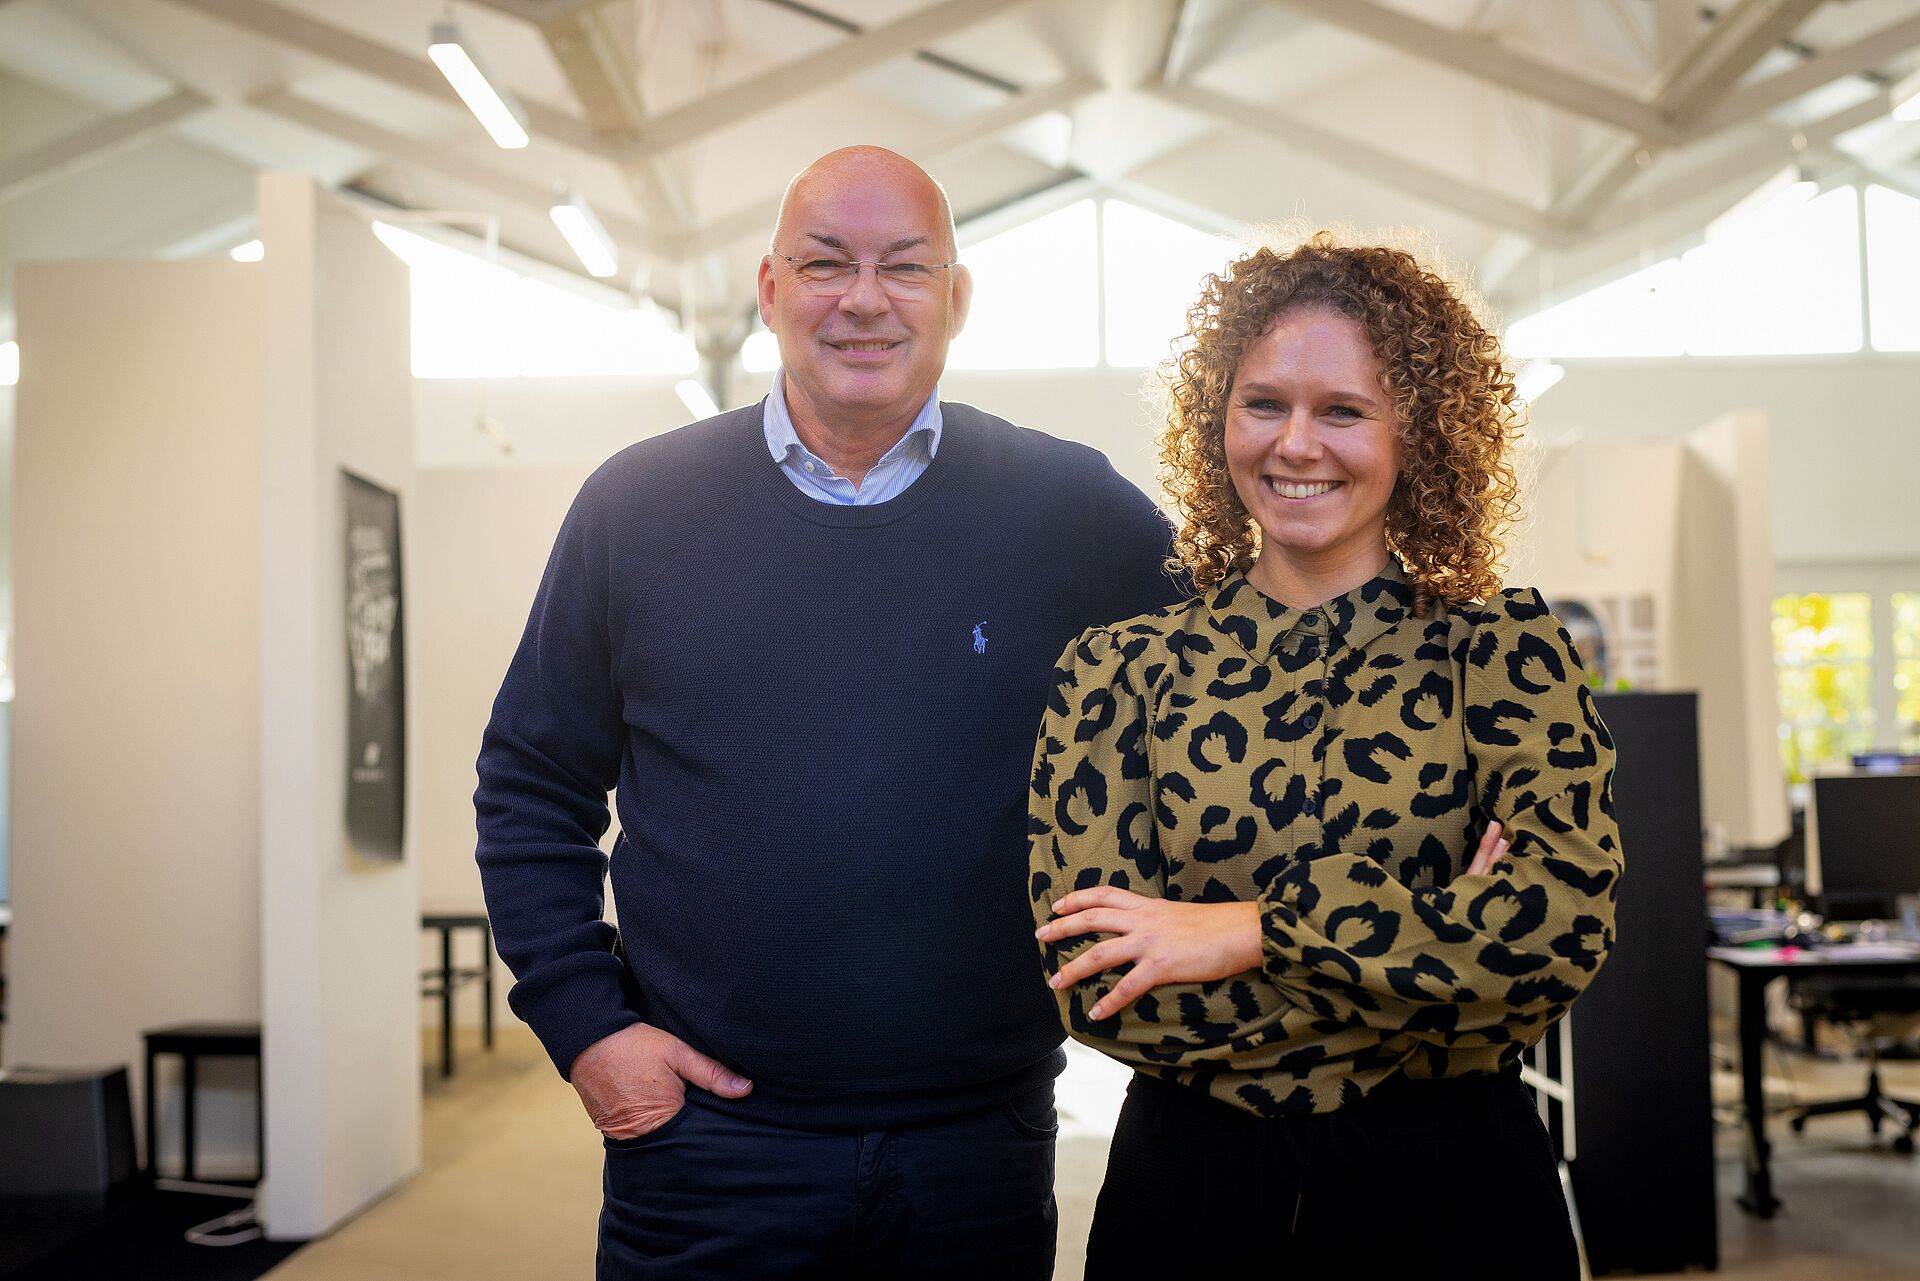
(1644, 1176)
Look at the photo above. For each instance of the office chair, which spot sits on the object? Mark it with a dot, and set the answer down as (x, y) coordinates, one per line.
(1879, 1009)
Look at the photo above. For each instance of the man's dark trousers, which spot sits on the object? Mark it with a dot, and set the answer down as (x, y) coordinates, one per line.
(713, 1196)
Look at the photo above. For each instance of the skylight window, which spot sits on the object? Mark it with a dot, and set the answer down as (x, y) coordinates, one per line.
(1153, 272)
(1036, 301)
(1783, 281)
(1779, 274)
(1893, 269)
(1637, 315)
(473, 319)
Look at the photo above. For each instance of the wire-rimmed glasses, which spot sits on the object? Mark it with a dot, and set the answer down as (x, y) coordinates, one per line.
(904, 278)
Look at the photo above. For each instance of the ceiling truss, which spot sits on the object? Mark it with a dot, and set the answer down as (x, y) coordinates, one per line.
(1699, 92)
(96, 141)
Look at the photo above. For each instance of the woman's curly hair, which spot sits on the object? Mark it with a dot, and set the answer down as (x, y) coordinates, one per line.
(1457, 493)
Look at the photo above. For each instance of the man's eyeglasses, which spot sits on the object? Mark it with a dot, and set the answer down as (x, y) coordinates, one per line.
(832, 275)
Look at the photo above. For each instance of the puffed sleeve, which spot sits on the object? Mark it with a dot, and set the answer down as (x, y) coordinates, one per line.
(1492, 959)
(1090, 823)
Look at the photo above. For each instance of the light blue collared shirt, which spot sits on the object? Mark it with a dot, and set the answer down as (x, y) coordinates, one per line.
(897, 468)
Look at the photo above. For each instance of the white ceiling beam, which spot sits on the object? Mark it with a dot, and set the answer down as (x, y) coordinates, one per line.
(1017, 110)
(539, 11)
(810, 73)
(1668, 216)
(1765, 154)
(596, 65)
(1738, 39)
(343, 48)
(593, 57)
(1688, 85)
(94, 142)
(983, 127)
(1673, 25)
(1361, 158)
(1483, 59)
(1616, 163)
(441, 160)
(1865, 54)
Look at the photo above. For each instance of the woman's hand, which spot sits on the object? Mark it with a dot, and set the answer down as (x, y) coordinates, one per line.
(1166, 942)
(1174, 942)
(1493, 844)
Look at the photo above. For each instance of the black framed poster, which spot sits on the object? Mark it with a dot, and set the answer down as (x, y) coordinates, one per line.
(376, 684)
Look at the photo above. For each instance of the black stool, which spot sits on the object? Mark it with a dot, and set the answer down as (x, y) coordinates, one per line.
(193, 1042)
(440, 983)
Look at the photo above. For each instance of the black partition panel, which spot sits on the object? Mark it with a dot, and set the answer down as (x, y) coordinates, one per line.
(1643, 1176)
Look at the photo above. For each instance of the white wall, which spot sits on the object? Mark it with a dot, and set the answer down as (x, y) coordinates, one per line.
(339, 932)
(1684, 522)
(1843, 435)
(481, 538)
(136, 868)
(1726, 643)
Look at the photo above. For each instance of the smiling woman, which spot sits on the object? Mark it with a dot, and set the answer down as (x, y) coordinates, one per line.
(1320, 851)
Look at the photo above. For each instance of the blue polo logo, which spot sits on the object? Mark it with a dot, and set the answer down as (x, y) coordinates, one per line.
(979, 637)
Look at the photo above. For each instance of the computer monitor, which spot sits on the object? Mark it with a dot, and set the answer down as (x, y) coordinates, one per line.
(1863, 843)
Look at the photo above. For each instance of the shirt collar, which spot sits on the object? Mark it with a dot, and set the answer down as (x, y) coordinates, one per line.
(782, 440)
(1260, 624)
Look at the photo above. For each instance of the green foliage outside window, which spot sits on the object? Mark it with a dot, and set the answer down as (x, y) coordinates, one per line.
(1823, 653)
(1906, 669)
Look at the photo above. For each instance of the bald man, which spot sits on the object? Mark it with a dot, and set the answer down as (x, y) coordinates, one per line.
(808, 643)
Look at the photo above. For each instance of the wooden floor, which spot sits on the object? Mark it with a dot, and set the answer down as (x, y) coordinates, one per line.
(510, 1182)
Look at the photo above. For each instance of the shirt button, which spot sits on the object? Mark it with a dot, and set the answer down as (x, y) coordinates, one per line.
(811, 468)
(1311, 719)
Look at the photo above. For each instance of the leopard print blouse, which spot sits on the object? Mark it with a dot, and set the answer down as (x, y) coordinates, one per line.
(1337, 765)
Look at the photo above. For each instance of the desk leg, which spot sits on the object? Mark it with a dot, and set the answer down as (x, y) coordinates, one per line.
(189, 1084)
(153, 1128)
(446, 1001)
(486, 983)
(1758, 1199)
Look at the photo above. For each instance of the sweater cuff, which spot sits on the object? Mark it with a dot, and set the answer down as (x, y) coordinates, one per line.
(571, 1010)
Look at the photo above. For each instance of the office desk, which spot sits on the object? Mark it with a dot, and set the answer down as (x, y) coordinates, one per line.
(1755, 968)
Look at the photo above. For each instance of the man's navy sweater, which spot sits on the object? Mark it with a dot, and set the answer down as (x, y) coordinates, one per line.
(820, 721)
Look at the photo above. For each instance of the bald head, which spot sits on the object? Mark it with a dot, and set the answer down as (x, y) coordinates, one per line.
(861, 350)
(845, 173)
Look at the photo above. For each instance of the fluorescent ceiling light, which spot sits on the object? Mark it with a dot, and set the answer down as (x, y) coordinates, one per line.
(9, 364)
(590, 241)
(252, 251)
(1906, 97)
(1536, 378)
(493, 106)
(696, 398)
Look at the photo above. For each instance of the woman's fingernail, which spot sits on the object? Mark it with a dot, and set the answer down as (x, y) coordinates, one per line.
(1097, 1012)
(1054, 982)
